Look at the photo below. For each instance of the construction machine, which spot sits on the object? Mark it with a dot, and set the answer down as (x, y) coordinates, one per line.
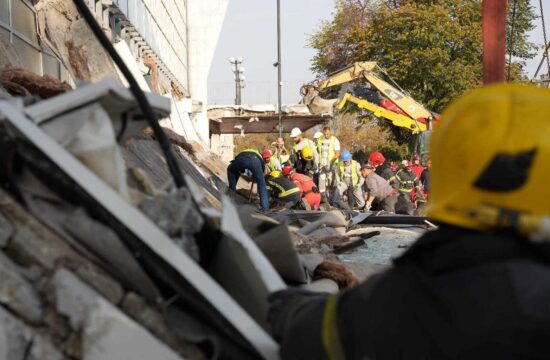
(394, 104)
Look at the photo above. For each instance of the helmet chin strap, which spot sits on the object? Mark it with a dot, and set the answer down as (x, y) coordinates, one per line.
(536, 228)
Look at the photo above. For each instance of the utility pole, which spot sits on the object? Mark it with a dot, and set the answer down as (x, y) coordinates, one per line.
(238, 71)
(279, 73)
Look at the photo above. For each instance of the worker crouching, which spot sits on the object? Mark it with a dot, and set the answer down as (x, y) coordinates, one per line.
(309, 193)
(284, 193)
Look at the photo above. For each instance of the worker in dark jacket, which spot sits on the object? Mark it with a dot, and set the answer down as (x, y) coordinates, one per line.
(477, 287)
(249, 162)
(284, 192)
(405, 181)
(382, 168)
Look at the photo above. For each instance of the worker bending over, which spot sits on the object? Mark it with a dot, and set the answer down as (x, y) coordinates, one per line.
(379, 194)
(249, 161)
(284, 193)
(309, 193)
(349, 181)
(475, 288)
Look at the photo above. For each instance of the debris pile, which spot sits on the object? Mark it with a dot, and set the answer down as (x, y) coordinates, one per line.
(101, 257)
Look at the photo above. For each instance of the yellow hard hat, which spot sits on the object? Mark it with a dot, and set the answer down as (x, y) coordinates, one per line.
(490, 156)
(307, 153)
(275, 173)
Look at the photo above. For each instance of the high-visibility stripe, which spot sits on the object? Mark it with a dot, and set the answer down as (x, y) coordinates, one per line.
(289, 192)
(330, 333)
(282, 191)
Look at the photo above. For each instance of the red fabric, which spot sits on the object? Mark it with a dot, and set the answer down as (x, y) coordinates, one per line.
(390, 105)
(417, 169)
(306, 184)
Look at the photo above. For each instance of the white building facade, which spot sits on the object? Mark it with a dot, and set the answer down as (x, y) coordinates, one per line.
(168, 45)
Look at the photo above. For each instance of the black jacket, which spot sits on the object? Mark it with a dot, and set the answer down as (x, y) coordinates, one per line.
(456, 294)
(384, 171)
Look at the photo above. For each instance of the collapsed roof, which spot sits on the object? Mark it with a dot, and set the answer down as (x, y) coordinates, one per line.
(253, 119)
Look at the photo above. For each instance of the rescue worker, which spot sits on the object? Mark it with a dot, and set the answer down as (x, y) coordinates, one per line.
(317, 135)
(280, 152)
(379, 194)
(271, 162)
(475, 288)
(249, 161)
(425, 178)
(417, 167)
(328, 147)
(301, 143)
(284, 193)
(349, 182)
(305, 164)
(382, 168)
(309, 193)
(406, 182)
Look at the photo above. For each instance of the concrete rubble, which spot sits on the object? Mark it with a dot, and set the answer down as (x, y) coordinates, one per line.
(101, 257)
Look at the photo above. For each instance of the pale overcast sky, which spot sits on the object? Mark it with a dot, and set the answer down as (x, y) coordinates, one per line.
(250, 31)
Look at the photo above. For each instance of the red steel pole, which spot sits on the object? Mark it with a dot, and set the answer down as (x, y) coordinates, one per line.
(494, 40)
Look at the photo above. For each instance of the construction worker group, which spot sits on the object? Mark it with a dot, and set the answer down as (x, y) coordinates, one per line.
(318, 173)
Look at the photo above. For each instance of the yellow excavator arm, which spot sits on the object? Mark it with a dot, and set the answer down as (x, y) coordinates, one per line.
(378, 111)
(365, 70)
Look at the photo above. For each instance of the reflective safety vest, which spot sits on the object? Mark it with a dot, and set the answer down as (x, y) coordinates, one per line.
(331, 150)
(355, 176)
(281, 187)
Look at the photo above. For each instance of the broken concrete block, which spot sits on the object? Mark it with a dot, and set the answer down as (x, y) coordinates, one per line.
(18, 341)
(73, 298)
(6, 231)
(177, 215)
(136, 307)
(107, 333)
(28, 248)
(17, 293)
(42, 349)
(101, 282)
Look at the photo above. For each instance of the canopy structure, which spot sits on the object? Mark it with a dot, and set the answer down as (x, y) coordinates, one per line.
(255, 119)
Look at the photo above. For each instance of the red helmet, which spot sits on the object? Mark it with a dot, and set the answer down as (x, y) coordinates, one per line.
(288, 169)
(266, 154)
(376, 158)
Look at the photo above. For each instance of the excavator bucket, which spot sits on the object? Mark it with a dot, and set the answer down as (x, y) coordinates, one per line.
(316, 104)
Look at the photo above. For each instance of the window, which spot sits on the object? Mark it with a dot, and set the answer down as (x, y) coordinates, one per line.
(18, 28)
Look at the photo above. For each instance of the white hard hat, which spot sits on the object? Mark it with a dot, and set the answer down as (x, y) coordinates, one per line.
(404, 162)
(317, 135)
(295, 132)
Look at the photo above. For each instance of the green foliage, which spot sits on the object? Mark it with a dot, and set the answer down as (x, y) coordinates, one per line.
(432, 48)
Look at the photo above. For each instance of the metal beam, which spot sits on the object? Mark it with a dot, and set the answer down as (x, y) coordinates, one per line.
(494, 41)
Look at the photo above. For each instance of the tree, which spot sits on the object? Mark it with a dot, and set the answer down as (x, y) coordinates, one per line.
(432, 48)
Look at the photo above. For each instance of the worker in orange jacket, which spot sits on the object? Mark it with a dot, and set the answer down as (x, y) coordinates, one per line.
(308, 190)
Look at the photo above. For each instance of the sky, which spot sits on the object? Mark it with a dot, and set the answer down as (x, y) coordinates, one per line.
(250, 31)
